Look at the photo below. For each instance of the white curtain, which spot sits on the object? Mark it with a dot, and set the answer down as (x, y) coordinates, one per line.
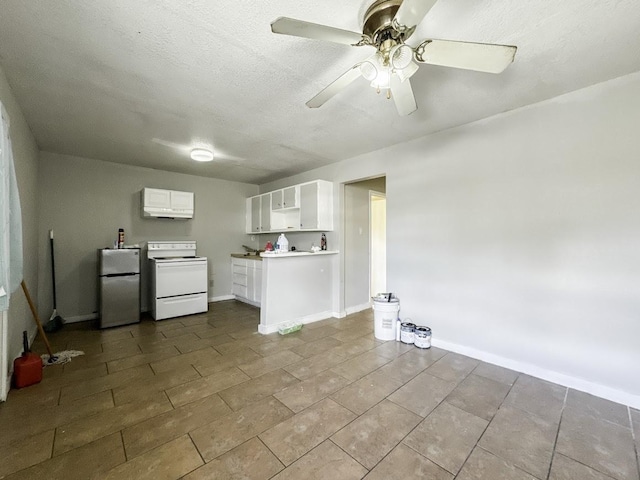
(10, 218)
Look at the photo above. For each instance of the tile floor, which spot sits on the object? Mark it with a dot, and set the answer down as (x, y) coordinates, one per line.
(206, 397)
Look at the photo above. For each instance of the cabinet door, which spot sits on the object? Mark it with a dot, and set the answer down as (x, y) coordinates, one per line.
(265, 216)
(276, 200)
(290, 197)
(255, 215)
(309, 206)
(181, 200)
(156, 198)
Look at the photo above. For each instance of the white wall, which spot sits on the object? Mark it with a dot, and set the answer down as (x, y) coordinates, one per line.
(25, 157)
(85, 201)
(516, 238)
(357, 242)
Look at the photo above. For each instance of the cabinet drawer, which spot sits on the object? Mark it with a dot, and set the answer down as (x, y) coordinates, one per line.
(239, 279)
(240, 290)
(241, 269)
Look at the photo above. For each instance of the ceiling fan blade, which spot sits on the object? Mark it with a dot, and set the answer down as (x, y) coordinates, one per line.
(411, 12)
(403, 97)
(299, 28)
(482, 57)
(341, 82)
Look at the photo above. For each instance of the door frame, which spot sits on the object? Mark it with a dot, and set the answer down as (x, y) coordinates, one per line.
(374, 193)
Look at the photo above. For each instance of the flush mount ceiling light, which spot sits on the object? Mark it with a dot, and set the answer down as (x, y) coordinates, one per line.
(201, 155)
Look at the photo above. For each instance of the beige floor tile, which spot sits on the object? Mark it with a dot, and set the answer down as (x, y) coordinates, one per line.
(26, 452)
(107, 382)
(496, 373)
(523, 439)
(478, 395)
(316, 347)
(539, 397)
(313, 365)
(563, 468)
(199, 358)
(256, 389)
(393, 349)
(170, 461)
(361, 365)
(235, 345)
(277, 345)
(294, 437)
(172, 424)
(267, 364)
(249, 461)
(371, 436)
(233, 359)
(453, 367)
(202, 387)
(87, 360)
(447, 436)
(601, 445)
(410, 364)
(360, 396)
(79, 464)
(404, 462)
(323, 462)
(27, 423)
(349, 334)
(150, 387)
(355, 347)
(635, 420)
(299, 396)
(86, 430)
(483, 465)
(228, 432)
(142, 359)
(422, 394)
(312, 334)
(584, 403)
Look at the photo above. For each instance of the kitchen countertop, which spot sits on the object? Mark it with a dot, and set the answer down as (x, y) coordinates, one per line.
(297, 253)
(251, 256)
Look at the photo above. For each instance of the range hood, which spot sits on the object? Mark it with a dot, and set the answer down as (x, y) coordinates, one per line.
(159, 203)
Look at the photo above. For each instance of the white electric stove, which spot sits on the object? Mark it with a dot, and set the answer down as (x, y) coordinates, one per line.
(178, 279)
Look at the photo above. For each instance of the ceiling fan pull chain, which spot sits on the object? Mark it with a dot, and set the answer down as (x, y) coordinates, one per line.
(364, 42)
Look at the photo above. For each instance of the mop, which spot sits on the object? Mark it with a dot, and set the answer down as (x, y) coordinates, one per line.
(55, 322)
(48, 359)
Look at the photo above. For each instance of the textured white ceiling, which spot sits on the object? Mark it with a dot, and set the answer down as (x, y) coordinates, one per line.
(143, 82)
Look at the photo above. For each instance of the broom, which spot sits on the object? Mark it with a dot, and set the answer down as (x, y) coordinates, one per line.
(50, 359)
(55, 322)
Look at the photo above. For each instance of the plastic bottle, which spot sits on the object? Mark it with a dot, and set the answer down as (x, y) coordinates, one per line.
(323, 242)
(121, 238)
(283, 243)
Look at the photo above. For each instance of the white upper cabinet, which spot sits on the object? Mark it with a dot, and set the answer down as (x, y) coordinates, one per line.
(316, 206)
(308, 206)
(157, 202)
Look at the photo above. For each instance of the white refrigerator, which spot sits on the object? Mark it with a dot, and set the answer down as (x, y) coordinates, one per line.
(119, 286)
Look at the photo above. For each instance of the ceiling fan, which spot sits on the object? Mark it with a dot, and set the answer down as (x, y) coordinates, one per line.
(388, 24)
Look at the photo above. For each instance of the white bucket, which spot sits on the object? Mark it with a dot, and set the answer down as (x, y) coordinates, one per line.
(385, 315)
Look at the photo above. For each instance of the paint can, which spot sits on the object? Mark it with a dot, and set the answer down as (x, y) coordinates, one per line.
(406, 332)
(422, 337)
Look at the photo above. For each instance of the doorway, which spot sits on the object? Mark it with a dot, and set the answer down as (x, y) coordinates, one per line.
(378, 242)
(364, 242)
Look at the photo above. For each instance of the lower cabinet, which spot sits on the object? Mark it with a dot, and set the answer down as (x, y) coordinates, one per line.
(246, 275)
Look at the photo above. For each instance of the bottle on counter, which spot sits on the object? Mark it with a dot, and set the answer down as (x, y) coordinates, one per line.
(121, 238)
(323, 242)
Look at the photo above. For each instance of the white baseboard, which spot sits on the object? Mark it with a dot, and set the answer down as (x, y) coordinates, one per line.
(80, 318)
(316, 317)
(221, 298)
(358, 308)
(342, 314)
(596, 389)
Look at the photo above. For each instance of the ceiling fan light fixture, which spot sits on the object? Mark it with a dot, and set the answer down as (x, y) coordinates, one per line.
(401, 56)
(406, 72)
(201, 155)
(368, 70)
